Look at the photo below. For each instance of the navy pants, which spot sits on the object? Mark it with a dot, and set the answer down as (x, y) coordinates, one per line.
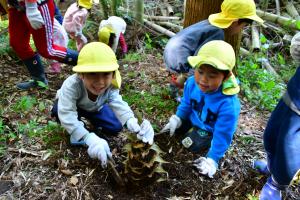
(104, 119)
(282, 143)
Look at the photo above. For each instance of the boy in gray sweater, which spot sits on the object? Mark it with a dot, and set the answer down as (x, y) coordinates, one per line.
(93, 93)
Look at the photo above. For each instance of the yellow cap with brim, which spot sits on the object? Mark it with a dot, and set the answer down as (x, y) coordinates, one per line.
(232, 10)
(104, 34)
(216, 53)
(220, 55)
(85, 4)
(98, 57)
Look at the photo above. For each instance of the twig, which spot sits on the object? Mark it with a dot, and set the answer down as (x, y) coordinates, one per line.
(171, 25)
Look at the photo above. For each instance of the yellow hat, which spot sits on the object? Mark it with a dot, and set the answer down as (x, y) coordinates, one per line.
(3, 7)
(232, 10)
(220, 55)
(104, 34)
(98, 57)
(216, 53)
(85, 4)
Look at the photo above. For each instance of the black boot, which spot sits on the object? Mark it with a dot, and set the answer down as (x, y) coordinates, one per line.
(37, 73)
(71, 57)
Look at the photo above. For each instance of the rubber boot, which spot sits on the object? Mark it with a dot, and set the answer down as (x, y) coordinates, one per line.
(261, 166)
(37, 73)
(71, 57)
(271, 190)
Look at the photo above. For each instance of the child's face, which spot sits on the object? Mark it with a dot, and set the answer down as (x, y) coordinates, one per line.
(235, 28)
(97, 82)
(208, 78)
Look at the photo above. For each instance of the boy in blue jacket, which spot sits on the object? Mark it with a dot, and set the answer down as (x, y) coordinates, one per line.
(209, 110)
(234, 16)
(282, 137)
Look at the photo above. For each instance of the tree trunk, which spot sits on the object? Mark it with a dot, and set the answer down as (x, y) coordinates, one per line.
(198, 10)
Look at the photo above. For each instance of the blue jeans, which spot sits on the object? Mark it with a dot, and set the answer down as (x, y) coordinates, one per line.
(105, 119)
(282, 143)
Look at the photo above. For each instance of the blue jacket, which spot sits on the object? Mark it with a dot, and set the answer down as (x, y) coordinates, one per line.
(293, 88)
(214, 112)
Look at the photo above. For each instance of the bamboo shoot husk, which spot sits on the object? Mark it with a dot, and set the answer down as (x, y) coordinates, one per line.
(159, 28)
(255, 38)
(291, 23)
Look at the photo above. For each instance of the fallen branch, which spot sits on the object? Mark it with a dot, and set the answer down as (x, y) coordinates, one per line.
(161, 18)
(244, 51)
(284, 21)
(159, 28)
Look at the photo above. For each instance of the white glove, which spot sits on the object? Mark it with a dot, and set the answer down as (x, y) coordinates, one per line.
(34, 16)
(206, 166)
(174, 123)
(98, 148)
(147, 133)
(133, 126)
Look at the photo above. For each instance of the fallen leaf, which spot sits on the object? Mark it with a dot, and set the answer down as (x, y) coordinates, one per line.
(74, 180)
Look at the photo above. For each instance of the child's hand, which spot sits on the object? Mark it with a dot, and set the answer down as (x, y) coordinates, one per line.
(34, 15)
(98, 148)
(147, 133)
(206, 166)
(133, 126)
(174, 123)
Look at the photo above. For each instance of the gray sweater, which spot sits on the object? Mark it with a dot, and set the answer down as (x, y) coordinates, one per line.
(73, 94)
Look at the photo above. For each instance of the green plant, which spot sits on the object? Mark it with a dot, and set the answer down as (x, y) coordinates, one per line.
(260, 87)
(251, 197)
(148, 41)
(26, 103)
(133, 57)
(52, 133)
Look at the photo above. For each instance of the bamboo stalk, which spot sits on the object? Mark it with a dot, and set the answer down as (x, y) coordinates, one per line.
(169, 8)
(139, 8)
(171, 25)
(159, 28)
(255, 38)
(265, 63)
(292, 10)
(291, 23)
(244, 51)
(277, 3)
(273, 27)
(161, 18)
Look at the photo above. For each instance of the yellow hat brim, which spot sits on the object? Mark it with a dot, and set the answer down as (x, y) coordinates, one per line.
(196, 61)
(117, 81)
(95, 68)
(222, 21)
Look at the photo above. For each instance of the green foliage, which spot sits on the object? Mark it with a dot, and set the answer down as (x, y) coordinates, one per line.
(5, 48)
(153, 103)
(148, 41)
(110, 8)
(259, 86)
(26, 103)
(133, 57)
(251, 197)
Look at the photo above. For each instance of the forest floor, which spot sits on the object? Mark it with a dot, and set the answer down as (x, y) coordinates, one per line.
(31, 168)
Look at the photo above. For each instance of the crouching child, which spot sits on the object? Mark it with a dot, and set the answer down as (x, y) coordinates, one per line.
(93, 93)
(209, 110)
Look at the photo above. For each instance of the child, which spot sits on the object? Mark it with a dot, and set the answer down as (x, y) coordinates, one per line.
(93, 93)
(282, 137)
(32, 17)
(234, 16)
(209, 110)
(75, 19)
(60, 37)
(111, 31)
